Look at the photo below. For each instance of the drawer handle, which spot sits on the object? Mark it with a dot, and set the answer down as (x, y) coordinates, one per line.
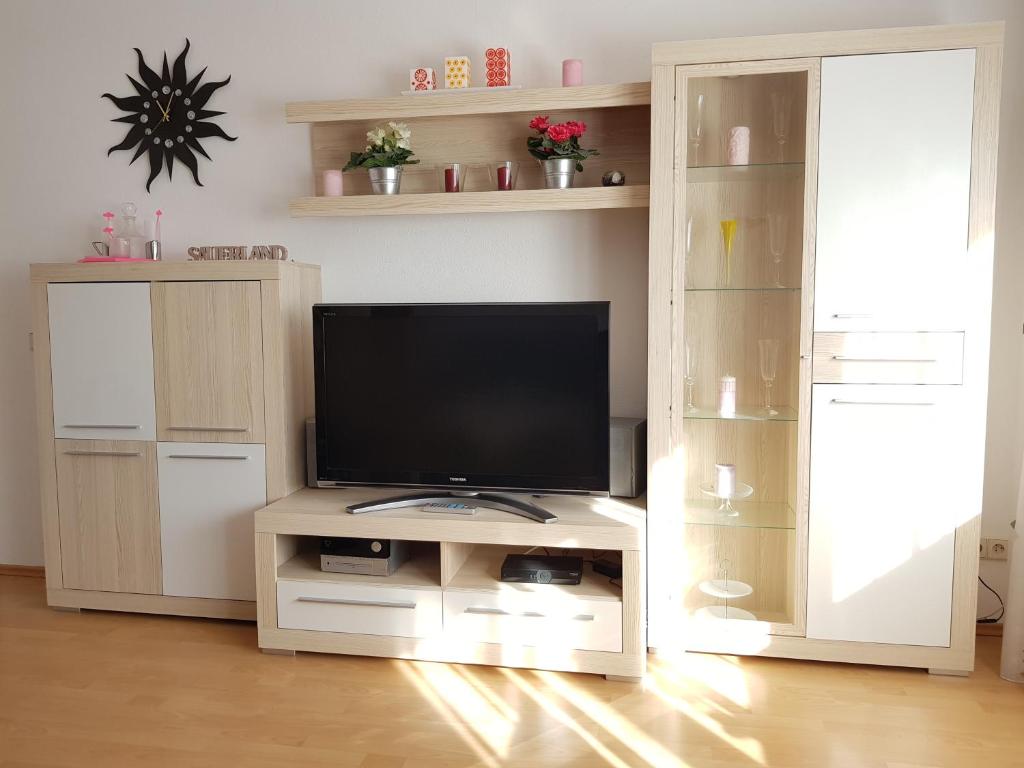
(836, 401)
(205, 456)
(347, 601)
(207, 429)
(850, 316)
(845, 359)
(103, 453)
(102, 426)
(529, 614)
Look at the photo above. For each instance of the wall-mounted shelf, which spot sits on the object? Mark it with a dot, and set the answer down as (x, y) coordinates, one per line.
(450, 103)
(580, 198)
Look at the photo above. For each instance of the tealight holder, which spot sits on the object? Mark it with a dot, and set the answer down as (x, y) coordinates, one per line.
(504, 175)
(452, 176)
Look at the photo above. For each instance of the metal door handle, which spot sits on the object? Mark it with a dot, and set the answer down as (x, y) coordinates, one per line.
(208, 429)
(836, 401)
(346, 601)
(205, 456)
(529, 614)
(102, 426)
(845, 359)
(103, 453)
(850, 316)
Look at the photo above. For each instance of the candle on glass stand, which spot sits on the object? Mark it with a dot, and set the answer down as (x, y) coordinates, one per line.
(572, 72)
(727, 397)
(725, 480)
(738, 146)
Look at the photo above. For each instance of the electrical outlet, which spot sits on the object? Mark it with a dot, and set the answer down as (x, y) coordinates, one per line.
(998, 549)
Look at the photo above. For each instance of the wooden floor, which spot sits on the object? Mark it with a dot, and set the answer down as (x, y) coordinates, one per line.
(105, 689)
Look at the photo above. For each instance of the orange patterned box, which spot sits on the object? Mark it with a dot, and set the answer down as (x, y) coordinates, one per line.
(456, 72)
(422, 79)
(499, 67)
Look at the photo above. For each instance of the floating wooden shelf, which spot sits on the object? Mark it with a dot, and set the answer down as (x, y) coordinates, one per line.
(447, 103)
(579, 198)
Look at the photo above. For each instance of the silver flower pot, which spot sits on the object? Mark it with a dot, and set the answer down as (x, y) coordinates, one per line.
(559, 172)
(385, 181)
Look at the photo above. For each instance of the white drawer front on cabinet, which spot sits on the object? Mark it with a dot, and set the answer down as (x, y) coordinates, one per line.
(893, 191)
(516, 619)
(888, 491)
(208, 493)
(359, 609)
(888, 358)
(101, 359)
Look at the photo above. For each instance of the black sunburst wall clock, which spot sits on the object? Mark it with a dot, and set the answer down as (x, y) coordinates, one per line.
(168, 117)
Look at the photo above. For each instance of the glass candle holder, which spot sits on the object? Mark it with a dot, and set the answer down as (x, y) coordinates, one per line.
(504, 175)
(452, 176)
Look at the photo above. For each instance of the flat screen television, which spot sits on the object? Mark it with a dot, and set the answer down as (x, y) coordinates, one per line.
(467, 397)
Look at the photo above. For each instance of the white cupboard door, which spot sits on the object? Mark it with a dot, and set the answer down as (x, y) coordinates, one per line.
(101, 360)
(208, 493)
(887, 494)
(894, 172)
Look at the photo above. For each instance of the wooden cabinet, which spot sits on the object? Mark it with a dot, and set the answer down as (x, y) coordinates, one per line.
(894, 190)
(208, 359)
(855, 535)
(101, 354)
(109, 520)
(208, 493)
(171, 404)
(885, 506)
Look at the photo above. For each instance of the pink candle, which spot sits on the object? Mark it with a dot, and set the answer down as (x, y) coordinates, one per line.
(332, 183)
(451, 179)
(504, 178)
(572, 72)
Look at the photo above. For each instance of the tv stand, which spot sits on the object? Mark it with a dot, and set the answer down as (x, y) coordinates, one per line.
(494, 500)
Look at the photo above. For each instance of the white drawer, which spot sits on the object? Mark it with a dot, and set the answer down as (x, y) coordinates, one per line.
(888, 358)
(358, 608)
(563, 623)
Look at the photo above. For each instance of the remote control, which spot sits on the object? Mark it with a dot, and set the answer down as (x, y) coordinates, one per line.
(451, 507)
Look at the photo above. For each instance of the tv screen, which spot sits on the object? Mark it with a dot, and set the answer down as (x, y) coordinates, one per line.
(472, 396)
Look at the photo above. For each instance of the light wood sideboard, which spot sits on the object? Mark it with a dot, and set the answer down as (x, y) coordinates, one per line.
(171, 400)
(447, 602)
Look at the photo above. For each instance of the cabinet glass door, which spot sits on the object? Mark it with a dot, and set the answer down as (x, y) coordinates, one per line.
(740, 365)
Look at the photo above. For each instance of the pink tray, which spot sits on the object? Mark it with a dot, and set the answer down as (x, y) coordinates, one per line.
(94, 259)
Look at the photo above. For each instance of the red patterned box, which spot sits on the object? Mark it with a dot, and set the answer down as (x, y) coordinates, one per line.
(499, 67)
(422, 79)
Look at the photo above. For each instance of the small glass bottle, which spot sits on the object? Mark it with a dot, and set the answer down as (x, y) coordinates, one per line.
(129, 231)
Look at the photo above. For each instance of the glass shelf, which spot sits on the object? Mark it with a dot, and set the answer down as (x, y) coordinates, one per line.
(743, 413)
(705, 174)
(752, 514)
(749, 289)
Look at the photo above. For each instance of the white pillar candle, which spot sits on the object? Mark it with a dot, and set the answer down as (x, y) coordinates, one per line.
(725, 480)
(727, 396)
(738, 149)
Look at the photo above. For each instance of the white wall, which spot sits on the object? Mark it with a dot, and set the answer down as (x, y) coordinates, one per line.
(56, 58)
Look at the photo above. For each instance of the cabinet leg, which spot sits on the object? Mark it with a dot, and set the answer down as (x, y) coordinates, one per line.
(623, 679)
(948, 672)
(66, 609)
(277, 651)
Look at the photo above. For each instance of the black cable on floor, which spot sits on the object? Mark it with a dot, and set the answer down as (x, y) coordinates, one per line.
(990, 619)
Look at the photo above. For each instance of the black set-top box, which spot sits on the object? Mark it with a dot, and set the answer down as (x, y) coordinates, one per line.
(543, 569)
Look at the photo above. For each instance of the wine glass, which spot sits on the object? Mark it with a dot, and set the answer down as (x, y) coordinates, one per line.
(690, 377)
(782, 104)
(778, 232)
(696, 127)
(768, 351)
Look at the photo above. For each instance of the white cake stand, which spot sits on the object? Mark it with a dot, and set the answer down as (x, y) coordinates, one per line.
(742, 491)
(724, 612)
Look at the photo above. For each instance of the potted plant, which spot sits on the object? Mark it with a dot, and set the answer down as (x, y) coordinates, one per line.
(557, 146)
(388, 148)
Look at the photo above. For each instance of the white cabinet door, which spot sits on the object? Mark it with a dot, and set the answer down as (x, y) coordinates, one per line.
(894, 170)
(101, 360)
(208, 493)
(888, 491)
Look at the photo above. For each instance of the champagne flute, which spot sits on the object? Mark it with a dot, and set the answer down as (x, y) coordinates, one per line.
(768, 351)
(696, 127)
(778, 231)
(690, 377)
(782, 104)
(728, 227)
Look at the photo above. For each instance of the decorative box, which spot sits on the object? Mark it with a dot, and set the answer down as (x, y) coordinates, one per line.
(422, 79)
(456, 72)
(499, 67)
